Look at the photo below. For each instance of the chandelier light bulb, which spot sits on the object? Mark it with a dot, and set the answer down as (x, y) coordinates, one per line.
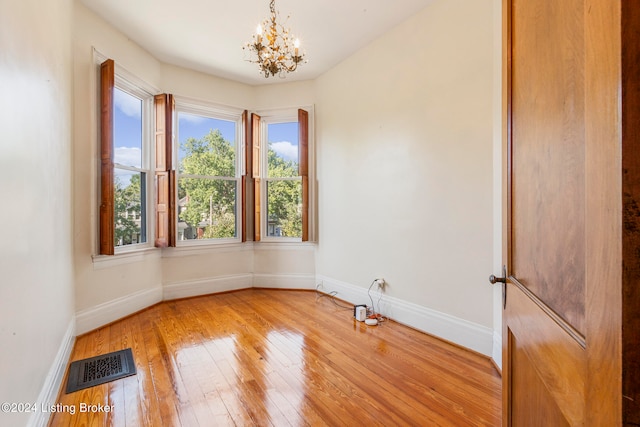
(280, 53)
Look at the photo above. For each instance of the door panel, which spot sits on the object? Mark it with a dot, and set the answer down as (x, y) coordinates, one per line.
(548, 154)
(535, 406)
(562, 348)
(546, 366)
(544, 319)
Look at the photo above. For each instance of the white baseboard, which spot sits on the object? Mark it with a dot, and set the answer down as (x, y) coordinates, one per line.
(53, 382)
(459, 331)
(497, 349)
(284, 281)
(102, 314)
(207, 286)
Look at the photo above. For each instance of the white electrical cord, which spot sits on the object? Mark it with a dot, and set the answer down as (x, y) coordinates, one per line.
(379, 282)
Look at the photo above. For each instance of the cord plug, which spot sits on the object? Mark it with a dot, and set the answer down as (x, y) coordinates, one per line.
(380, 282)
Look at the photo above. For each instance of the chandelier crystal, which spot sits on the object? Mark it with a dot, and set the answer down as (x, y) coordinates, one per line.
(273, 48)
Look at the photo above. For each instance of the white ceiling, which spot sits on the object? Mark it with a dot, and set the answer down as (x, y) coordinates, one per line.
(208, 35)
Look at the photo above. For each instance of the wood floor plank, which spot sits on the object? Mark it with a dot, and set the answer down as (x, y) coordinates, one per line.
(285, 347)
(252, 367)
(349, 384)
(171, 344)
(281, 358)
(433, 374)
(116, 389)
(95, 345)
(297, 411)
(158, 384)
(207, 374)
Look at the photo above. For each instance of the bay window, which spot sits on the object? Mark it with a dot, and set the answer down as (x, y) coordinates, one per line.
(174, 171)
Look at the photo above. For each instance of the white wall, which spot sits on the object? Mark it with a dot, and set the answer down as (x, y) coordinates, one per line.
(405, 134)
(199, 86)
(36, 283)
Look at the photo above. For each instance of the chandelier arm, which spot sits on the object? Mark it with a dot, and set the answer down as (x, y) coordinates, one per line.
(279, 54)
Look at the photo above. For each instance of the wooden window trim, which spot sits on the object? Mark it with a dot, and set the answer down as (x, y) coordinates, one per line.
(256, 137)
(245, 171)
(303, 141)
(107, 231)
(164, 173)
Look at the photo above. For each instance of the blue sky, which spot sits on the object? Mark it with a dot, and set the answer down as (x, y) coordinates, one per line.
(192, 126)
(283, 137)
(127, 129)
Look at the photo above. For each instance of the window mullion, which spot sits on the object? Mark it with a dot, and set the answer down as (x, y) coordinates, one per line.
(130, 168)
(221, 178)
(284, 178)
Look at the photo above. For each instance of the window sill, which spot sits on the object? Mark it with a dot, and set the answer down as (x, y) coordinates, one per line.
(107, 261)
(268, 245)
(202, 249)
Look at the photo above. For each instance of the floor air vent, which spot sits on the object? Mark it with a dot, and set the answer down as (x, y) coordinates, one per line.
(100, 369)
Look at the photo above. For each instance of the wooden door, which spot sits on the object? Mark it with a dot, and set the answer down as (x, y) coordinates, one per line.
(567, 360)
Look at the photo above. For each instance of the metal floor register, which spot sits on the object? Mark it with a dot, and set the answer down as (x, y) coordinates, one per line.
(98, 370)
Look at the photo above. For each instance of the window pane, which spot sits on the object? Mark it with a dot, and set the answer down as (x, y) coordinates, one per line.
(206, 208)
(130, 210)
(283, 155)
(127, 132)
(207, 146)
(284, 207)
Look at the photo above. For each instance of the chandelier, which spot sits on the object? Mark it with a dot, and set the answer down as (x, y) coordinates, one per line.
(276, 51)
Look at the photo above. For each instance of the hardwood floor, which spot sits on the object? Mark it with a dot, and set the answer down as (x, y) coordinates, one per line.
(280, 358)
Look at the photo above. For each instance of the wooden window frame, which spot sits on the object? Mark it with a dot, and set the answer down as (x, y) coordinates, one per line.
(245, 173)
(258, 131)
(303, 141)
(256, 137)
(164, 174)
(158, 214)
(240, 117)
(107, 213)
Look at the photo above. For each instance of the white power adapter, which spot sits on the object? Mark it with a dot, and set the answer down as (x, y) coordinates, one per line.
(361, 313)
